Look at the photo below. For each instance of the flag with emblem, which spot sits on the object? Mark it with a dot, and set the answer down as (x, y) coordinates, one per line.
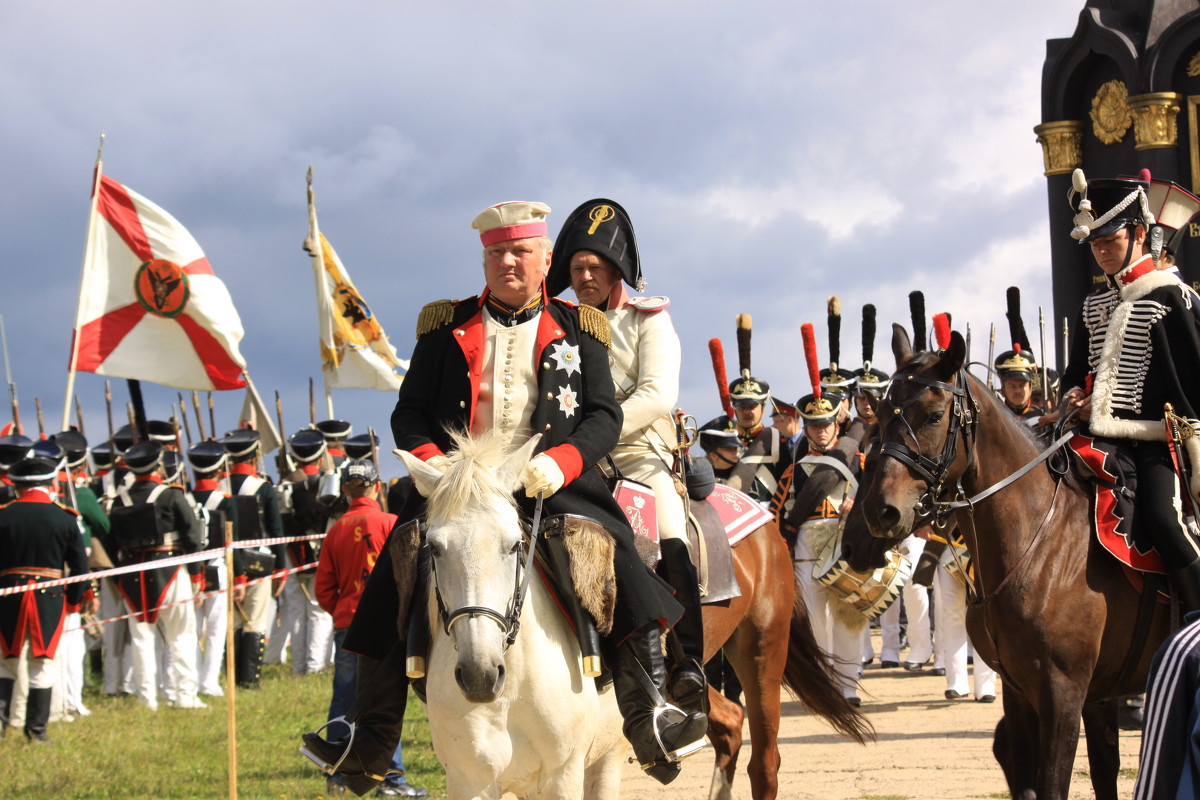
(355, 351)
(150, 306)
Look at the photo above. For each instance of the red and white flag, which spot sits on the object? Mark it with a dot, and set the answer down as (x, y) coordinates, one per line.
(150, 307)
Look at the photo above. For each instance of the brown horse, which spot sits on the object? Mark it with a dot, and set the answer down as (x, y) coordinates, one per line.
(767, 638)
(1054, 613)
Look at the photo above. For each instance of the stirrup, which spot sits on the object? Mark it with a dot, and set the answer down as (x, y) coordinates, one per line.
(672, 715)
(331, 768)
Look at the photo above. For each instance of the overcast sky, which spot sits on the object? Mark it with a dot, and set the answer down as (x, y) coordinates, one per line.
(770, 154)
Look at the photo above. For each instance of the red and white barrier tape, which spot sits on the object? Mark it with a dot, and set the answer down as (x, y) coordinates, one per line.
(173, 561)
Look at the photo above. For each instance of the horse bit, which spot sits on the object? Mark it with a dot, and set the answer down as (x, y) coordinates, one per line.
(509, 622)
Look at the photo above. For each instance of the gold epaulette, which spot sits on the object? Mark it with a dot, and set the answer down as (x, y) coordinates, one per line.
(593, 321)
(67, 508)
(434, 315)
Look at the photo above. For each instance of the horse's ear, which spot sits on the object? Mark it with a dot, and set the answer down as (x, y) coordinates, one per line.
(425, 478)
(901, 345)
(953, 357)
(514, 464)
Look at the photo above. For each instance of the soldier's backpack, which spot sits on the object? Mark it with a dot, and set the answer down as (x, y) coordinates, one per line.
(257, 562)
(137, 526)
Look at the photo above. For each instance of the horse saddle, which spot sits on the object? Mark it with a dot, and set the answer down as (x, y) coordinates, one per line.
(712, 554)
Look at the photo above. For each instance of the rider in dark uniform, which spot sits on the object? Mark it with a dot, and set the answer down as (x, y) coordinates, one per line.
(38, 538)
(466, 374)
(1136, 348)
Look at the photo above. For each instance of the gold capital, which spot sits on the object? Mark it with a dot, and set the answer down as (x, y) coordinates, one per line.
(1062, 145)
(1155, 119)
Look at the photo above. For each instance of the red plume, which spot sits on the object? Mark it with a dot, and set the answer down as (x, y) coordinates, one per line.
(1144, 175)
(941, 330)
(717, 351)
(810, 355)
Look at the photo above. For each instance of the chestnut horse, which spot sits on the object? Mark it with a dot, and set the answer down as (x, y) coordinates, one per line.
(767, 638)
(1053, 613)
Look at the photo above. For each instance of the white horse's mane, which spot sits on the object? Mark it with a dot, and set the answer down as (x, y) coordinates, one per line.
(474, 475)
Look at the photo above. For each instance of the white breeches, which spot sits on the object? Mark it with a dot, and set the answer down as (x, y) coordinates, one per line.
(42, 671)
(212, 620)
(951, 599)
(177, 626)
(310, 628)
(830, 632)
(916, 604)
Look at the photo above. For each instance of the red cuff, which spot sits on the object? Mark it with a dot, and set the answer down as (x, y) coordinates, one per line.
(198, 582)
(279, 575)
(427, 451)
(73, 608)
(240, 580)
(569, 460)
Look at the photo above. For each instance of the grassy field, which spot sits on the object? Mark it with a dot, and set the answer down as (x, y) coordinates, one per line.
(124, 752)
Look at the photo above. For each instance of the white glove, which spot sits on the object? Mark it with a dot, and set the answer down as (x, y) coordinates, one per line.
(542, 476)
(440, 463)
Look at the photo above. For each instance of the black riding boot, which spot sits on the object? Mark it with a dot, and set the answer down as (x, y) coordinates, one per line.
(377, 718)
(1185, 584)
(248, 666)
(660, 736)
(37, 715)
(6, 693)
(686, 684)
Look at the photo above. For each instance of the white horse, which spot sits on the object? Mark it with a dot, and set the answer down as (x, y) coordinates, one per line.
(518, 717)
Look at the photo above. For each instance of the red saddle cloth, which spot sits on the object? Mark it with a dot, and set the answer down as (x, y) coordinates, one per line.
(1112, 508)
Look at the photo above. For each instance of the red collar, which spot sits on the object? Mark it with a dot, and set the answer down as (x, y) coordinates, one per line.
(206, 484)
(35, 495)
(336, 452)
(242, 468)
(151, 478)
(309, 469)
(1143, 266)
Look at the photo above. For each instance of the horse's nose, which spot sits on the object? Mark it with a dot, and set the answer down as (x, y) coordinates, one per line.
(889, 519)
(480, 686)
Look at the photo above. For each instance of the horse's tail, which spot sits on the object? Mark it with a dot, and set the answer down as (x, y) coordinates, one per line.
(810, 676)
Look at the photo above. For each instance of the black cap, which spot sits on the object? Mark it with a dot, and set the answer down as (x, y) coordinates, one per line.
(172, 467)
(1016, 363)
(241, 442)
(74, 445)
(334, 428)
(717, 433)
(358, 469)
(602, 227)
(819, 409)
(360, 446)
(160, 431)
(1102, 207)
(102, 456)
(206, 457)
(13, 448)
(306, 445)
(143, 457)
(783, 407)
(748, 391)
(123, 438)
(35, 468)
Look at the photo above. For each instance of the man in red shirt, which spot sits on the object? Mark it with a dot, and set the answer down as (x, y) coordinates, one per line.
(347, 557)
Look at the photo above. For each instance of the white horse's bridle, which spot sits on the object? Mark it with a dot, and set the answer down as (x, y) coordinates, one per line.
(510, 621)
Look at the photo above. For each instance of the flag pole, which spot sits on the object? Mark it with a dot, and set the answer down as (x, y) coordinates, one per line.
(87, 249)
(316, 249)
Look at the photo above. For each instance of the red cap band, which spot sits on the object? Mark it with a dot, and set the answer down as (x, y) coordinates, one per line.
(504, 233)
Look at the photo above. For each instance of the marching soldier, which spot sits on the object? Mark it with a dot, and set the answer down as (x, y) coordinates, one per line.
(215, 508)
(466, 371)
(762, 461)
(1133, 352)
(40, 540)
(263, 566)
(335, 432)
(837, 384)
(596, 255)
(310, 628)
(13, 448)
(1017, 367)
(152, 521)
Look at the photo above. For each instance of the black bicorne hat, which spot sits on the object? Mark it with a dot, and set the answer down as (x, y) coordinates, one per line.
(74, 444)
(13, 448)
(334, 428)
(206, 457)
(143, 457)
(602, 227)
(360, 446)
(307, 445)
(241, 442)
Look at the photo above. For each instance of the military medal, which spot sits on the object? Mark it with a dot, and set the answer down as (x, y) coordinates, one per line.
(566, 356)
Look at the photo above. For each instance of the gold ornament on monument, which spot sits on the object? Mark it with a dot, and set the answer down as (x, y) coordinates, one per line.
(1062, 145)
(1193, 67)
(1110, 115)
(1154, 119)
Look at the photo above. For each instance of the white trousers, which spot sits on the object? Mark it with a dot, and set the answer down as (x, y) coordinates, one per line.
(833, 635)
(212, 621)
(177, 626)
(950, 598)
(915, 600)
